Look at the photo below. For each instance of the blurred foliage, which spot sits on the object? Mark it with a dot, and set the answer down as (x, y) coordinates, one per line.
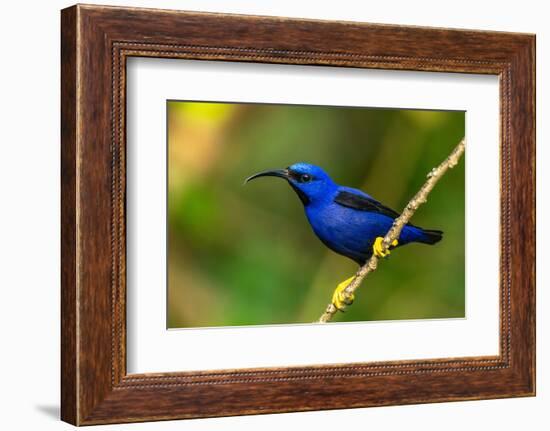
(246, 255)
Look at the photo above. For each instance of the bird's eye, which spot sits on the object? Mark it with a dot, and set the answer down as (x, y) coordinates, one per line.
(305, 178)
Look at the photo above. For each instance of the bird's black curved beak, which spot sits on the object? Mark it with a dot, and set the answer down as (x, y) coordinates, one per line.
(281, 173)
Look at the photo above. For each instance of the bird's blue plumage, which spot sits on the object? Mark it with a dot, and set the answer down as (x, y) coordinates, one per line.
(345, 219)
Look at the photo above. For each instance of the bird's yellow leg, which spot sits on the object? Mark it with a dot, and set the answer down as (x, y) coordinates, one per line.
(378, 249)
(338, 298)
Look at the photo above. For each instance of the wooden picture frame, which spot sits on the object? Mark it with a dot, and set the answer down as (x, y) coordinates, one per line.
(95, 43)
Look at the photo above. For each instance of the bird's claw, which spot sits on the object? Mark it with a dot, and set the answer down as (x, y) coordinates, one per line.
(378, 247)
(339, 298)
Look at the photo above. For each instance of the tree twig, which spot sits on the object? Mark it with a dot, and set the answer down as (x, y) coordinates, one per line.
(421, 197)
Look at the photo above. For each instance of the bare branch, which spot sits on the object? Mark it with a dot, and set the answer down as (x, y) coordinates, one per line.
(421, 197)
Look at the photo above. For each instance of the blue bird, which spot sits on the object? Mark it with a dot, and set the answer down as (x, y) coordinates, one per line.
(346, 220)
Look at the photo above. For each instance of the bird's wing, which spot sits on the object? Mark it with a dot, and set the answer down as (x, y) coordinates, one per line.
(361, 201)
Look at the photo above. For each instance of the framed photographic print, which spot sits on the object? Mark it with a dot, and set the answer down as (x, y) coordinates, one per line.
(266, 215)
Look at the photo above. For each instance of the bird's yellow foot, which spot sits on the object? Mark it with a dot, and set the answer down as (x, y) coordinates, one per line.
(379, 250)
(339, 300)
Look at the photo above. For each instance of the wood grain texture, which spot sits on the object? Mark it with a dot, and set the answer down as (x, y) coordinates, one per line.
(69, 397)
(96, 41)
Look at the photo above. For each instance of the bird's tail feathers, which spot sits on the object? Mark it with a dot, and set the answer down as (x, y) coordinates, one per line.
(431, 236)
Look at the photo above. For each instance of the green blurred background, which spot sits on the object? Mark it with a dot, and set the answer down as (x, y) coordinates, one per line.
(246, 255)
